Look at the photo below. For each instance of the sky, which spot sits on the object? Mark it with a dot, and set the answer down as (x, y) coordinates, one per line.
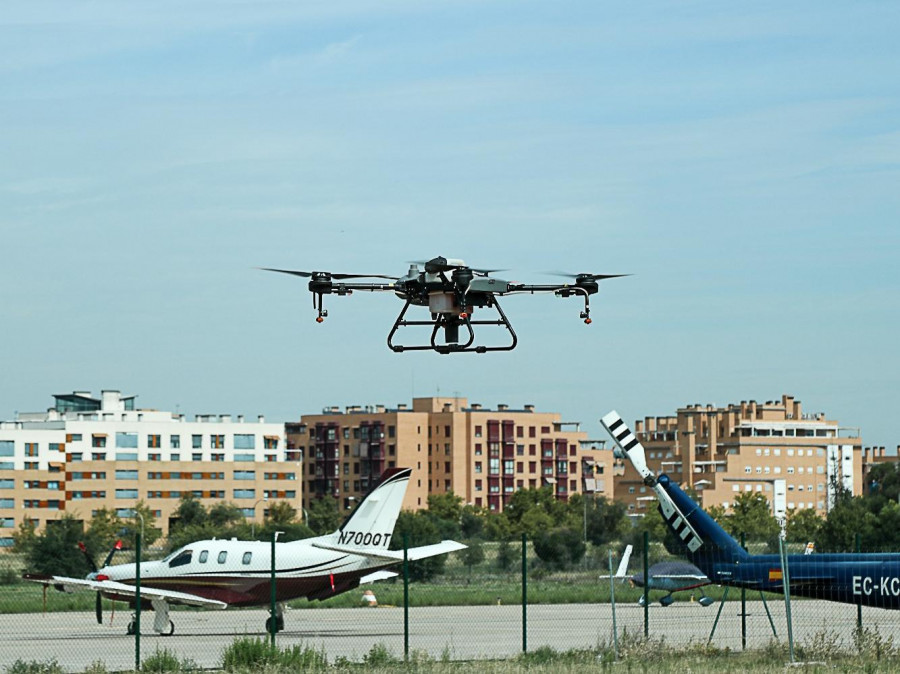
(740, 160)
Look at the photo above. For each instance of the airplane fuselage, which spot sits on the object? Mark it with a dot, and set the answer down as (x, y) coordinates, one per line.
(239, 572)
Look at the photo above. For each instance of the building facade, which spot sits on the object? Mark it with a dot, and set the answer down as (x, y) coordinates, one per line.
(482, 455)
(88, 453)
(768, 448)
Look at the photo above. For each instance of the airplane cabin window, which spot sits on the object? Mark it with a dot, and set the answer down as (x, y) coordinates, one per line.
(247, 557)
(204, 555)
(223, 556)
(181, 559)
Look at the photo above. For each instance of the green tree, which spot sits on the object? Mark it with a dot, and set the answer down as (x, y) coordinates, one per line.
(847, 518)
(446, 506)
(497, 527)
(605, 520)
(105, 528)
(543, 500)
(222, 516)
(473, 555)
(420, 530)
(24, 537)
(55, 550)
(506, 555)
(559, 548)
(282, 513)
(535, 522)
(751, 515)
(471, 521)
(134, 524)
(323, 515)
(802, 525)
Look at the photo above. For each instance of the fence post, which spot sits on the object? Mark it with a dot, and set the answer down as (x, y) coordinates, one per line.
(137, 602)
(524, 594)
(743, 603)
(273, 620)
(646, 584)
(786, 583)
(612, 601)
(406, 596)
(859, 600)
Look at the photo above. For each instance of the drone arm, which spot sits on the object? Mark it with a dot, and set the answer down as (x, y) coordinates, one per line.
(561, 290)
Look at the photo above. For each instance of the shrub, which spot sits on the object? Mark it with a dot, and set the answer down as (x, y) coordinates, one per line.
(34, 667)
(166, 661)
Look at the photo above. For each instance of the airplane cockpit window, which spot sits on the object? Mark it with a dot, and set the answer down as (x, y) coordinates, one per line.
(204, 555)
(247, 557)
(223, 556)
(182, 558)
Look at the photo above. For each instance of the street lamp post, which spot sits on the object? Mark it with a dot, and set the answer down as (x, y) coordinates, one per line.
(253, 521)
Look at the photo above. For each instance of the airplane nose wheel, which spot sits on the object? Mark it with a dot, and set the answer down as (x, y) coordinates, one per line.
(279, 624)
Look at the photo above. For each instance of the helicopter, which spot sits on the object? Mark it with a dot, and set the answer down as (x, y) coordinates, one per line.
(452, 291)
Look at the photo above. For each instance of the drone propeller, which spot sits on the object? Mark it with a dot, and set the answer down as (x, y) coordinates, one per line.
(584, 276)
(337, 277)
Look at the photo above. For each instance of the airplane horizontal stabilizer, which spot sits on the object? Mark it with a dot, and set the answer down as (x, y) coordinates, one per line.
(396, 555)
(436, 549)
(378, 575)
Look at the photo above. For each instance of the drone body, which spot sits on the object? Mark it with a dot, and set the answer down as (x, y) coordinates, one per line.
(452, 291)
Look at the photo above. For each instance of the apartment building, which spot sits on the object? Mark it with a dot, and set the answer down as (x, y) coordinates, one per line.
(793, 457)
(87, 453)
(482, 455)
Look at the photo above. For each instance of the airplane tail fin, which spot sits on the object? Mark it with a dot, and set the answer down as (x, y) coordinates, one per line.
(623, 565)
(371, 524)
(705, 540)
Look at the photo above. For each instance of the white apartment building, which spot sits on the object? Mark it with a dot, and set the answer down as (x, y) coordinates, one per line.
(86, 453)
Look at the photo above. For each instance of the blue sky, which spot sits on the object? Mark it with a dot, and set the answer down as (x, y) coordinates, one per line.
(742, 161)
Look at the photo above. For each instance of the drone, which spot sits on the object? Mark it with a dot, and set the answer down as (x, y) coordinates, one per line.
(452, 291)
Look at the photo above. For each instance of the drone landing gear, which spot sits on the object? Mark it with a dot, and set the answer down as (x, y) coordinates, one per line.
(451, 323)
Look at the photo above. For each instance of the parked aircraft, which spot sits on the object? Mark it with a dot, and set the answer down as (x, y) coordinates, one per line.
(869, 579)
(222, 573)
(669, 577)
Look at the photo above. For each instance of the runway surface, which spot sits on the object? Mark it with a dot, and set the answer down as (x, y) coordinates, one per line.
(75, 640)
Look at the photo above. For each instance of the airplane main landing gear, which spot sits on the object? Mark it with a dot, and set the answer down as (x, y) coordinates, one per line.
(279, 624)
(161, 623)
(279, 619)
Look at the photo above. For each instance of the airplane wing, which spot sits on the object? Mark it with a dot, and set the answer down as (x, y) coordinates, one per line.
(111, 587)
(685, 577)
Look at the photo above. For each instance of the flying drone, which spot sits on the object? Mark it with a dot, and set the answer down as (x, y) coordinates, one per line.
(452, 291)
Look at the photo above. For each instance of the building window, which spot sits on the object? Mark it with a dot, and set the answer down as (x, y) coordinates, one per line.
(175, 442)
(153, 441)
(126, 475)
(98, 441)
(245, 441)
(196, 441)
(478, 431)
(244, 493)
(217, 441)
(127, 493)
(127, 440)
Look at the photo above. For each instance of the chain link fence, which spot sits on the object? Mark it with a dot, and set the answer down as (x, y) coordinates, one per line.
(494, 600)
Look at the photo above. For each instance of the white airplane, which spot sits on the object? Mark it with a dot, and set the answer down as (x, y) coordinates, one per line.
(222, 573)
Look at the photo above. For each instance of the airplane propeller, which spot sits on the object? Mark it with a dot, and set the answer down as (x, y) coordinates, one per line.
(98, 605)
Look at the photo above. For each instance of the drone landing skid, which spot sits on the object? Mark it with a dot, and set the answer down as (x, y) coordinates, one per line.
(450, 323)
